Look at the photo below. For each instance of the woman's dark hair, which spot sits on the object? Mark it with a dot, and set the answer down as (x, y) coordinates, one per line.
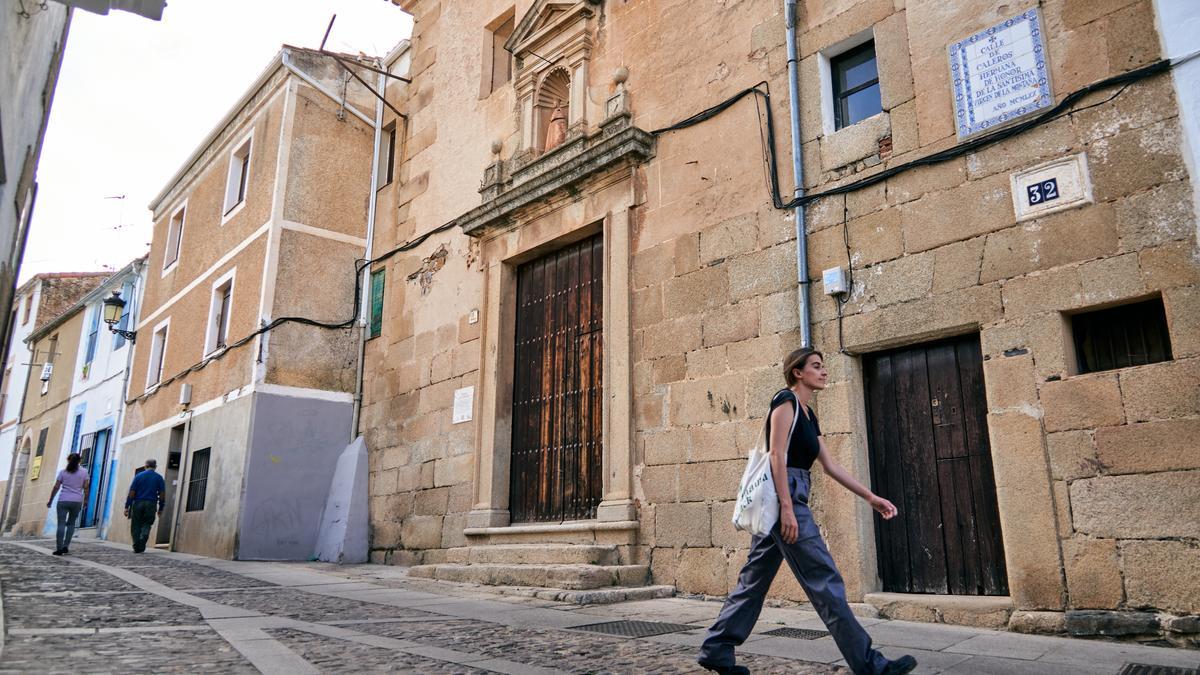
(73, 462)
(796, 361)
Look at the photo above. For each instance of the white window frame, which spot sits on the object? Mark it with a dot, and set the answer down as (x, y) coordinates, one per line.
(214, 302)
(230, 210)
(828, 118)
(182, 212)
(151, 368)
(388, 137)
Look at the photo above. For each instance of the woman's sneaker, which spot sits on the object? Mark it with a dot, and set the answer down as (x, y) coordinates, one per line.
(900, 666)
(725, 670)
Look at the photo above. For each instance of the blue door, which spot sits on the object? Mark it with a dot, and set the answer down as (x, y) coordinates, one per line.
(95, 460)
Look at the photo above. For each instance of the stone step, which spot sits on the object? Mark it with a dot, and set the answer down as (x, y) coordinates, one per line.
(567, 577)
(543, 554)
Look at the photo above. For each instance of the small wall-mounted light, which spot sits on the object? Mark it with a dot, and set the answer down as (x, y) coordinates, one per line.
(113, 308)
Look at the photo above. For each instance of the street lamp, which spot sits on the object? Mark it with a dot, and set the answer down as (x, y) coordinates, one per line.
(113, 308)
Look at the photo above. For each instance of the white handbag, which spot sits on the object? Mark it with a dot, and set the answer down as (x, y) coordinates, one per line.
(757, 507)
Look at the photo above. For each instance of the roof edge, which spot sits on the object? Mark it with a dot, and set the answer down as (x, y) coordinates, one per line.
(274, 65)
(84, 301)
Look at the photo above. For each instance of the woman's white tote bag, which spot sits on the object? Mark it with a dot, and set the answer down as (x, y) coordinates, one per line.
(757, 507)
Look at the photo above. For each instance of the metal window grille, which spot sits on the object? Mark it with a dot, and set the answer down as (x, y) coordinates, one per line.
(1119, 337)
(855, 85)
(198, 480)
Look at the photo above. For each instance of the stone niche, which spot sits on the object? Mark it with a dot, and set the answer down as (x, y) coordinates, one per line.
(551, 48)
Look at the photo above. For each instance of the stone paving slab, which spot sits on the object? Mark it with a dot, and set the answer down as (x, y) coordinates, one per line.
(296, 618)
(298, 604)
(1006, 645)
(339, 656)
(920, 635)
(822, 650)
(97, 611)
(188, 652)
(194, 577)
(990, 665)
(1101, 655)
(927, 661)
(572, 651)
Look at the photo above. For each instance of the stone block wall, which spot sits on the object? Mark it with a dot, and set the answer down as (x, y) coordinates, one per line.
(1096, 478)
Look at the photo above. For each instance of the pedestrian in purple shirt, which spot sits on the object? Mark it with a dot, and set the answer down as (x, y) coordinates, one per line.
(73, 484)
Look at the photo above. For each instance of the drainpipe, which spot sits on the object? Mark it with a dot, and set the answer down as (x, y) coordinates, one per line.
(104, 524)
(792, 17)
(364, 304)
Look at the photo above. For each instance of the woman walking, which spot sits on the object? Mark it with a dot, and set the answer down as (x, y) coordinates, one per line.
(795, 537)
(73, 481)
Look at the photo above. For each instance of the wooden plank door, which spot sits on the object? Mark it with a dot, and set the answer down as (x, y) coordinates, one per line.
(927, 429)
(557, 386)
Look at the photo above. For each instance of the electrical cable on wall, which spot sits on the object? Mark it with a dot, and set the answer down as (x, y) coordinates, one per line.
(760, 90)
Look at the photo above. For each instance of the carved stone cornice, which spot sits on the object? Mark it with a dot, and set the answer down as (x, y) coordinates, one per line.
(618, 142)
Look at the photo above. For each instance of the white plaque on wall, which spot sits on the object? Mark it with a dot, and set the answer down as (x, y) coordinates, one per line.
(464, 402)
(999, 75)
(1053, 186)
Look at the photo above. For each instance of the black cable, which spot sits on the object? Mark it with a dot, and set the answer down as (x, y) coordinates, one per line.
(1064, 107)
(359, 265)
(844, 298)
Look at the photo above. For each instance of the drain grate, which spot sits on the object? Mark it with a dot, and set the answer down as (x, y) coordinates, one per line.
(798, 633)
(636, 629)
(1151, 669)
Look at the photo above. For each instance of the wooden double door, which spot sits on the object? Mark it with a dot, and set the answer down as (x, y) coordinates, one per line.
(927, 419)
(557, 432)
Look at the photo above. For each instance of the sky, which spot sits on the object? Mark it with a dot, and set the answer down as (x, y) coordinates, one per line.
(135, 97)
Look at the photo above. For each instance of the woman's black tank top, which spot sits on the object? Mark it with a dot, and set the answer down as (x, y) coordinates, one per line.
(804, 446)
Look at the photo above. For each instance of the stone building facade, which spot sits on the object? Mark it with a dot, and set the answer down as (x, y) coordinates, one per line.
(94, 365)
(1074, 492)
(37, 303)
(36, 41)
(264, 220)
(45, 439)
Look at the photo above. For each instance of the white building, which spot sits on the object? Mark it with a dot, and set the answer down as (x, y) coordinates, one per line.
(98, 388)
(37, 302)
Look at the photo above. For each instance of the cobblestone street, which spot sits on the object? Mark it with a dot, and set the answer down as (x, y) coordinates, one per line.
(105, 609)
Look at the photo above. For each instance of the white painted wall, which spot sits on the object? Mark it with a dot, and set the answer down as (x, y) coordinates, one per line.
(17, 374)
(99, 395)
(1179, 26)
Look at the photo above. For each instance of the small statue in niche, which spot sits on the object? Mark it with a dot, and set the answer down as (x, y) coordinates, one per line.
(557, 131)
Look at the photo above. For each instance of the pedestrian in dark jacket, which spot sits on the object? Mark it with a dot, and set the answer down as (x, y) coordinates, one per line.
(795, 538)
(147, 491)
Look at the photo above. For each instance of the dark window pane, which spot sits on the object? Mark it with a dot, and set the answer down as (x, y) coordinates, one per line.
(1119, 337)
(857, 67)
(862, 104)
(855, 85)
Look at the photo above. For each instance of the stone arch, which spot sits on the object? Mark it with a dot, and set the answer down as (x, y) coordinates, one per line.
(555, 89)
